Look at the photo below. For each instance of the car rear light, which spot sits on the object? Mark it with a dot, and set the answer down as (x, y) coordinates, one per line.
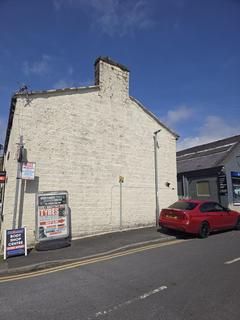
(174, 215)
(183, 216)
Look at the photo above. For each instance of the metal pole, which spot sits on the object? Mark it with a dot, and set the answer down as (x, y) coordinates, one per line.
(120, 204)
(18, 178)
(5, 245)
(156, 173)
(185, 186)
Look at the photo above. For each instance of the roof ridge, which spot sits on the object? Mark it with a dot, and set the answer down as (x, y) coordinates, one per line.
(211, 145)
(154, 116)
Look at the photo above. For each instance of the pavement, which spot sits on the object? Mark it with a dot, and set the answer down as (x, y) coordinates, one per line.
(84, 248)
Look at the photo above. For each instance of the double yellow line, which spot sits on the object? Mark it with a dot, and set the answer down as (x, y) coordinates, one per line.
(86, 262)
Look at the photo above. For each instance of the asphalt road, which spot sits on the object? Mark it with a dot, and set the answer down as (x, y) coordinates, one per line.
(193, 279)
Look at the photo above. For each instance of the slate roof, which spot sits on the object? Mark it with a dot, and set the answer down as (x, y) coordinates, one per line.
(206, 156)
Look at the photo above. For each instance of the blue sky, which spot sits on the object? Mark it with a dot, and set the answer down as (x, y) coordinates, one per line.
(184, 56)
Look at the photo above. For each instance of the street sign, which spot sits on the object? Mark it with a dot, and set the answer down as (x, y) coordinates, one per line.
(28, 170)
(52, 215)
(235, 174)
(15, 242)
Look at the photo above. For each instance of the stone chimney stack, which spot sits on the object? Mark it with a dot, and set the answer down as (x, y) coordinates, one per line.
(112, 77)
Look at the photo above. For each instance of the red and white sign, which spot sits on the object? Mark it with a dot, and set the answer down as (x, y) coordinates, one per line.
(28, 170)
(52, 215)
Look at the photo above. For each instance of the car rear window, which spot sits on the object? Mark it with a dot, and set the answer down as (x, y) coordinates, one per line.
(183, 205)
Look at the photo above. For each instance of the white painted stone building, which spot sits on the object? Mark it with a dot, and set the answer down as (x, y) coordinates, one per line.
(82, 140)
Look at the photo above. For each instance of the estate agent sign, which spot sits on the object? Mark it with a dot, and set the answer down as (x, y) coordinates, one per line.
(28, 170)
(15, 242)
(52, 215)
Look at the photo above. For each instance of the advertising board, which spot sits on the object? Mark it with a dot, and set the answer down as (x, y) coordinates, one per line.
(52, 215)
(28, 170)
(222, 185)
(15, 242)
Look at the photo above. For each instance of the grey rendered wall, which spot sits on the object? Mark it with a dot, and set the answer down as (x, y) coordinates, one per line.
(213, 188)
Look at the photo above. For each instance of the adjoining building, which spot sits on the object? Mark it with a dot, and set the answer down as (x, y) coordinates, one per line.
(211, 171)
(114, 158)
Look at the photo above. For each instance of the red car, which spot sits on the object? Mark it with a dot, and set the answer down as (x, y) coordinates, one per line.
(198, 217)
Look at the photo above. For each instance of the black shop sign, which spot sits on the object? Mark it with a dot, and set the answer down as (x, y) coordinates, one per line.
(15, 243)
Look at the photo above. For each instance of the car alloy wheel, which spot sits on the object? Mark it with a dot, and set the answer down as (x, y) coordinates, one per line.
(204, 230)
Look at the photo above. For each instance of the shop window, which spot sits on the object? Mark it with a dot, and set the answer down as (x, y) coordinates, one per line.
(203, 188)
(236, 187)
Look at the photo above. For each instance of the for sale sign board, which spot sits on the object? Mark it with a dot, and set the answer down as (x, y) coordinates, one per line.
(52, 215)
(15, 242)
(28, 170)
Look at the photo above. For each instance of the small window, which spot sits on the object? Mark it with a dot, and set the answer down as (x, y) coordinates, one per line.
(203, 188)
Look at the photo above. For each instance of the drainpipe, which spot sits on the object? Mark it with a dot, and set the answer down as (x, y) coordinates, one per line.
(185, 187)
(156, 173)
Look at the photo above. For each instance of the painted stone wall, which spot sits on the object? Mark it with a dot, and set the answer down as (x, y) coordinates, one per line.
(82, 140)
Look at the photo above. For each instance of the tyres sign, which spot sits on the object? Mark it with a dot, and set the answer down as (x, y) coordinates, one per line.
(15, 242)
(52, 215)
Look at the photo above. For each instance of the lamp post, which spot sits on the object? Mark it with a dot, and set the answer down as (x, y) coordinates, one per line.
(156, 172)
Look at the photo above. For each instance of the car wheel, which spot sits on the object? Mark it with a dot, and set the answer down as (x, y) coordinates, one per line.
(237, 227)
(204, 230)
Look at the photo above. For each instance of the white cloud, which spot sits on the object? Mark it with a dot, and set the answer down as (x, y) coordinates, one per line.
(63, 83)
(113, 17)
(177, 115)
(69, 83)
(39, 68)
(213, 128)
(57, 4)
